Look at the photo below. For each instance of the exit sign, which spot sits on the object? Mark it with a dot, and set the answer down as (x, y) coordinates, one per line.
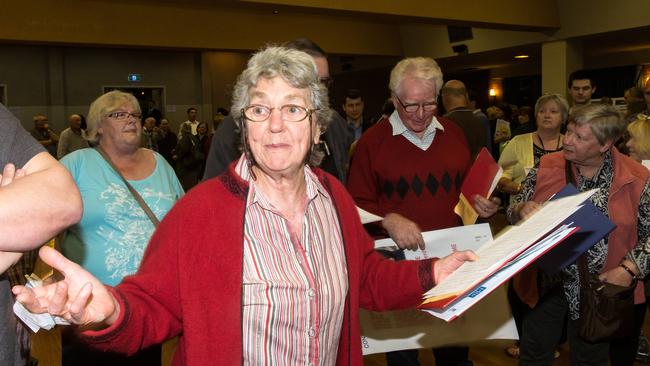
(134, 77)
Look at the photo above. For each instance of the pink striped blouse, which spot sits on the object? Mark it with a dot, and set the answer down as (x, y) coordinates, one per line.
(294, 285)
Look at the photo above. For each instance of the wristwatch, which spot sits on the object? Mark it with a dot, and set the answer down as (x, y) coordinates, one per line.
(629, 270)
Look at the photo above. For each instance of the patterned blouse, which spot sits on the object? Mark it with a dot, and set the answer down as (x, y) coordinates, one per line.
(538, 152)
(294, 279)
(598, 253)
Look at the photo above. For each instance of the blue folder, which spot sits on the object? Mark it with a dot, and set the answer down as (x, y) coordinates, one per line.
(593, 224)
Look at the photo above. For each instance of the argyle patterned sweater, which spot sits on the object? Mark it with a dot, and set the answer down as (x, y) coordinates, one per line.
(390, 174)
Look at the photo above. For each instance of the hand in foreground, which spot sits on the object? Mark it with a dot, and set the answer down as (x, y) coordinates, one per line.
(9, 174)
(486, 207)
(404, 232)
(443, 267)
(79, 298)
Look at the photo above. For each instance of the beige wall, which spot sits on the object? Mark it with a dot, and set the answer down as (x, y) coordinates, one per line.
(58, 81)
(223, 69)
(188, 25)
(530, 13)
(579, 17)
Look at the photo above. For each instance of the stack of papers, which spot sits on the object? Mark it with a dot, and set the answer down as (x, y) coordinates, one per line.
(388, 331)
(502, 258)
(440, 243)
(36, 322)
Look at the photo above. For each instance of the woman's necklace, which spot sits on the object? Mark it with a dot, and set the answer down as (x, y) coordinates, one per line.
(557, 146)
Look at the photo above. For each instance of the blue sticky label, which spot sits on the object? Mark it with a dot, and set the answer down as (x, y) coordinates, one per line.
(477, 291)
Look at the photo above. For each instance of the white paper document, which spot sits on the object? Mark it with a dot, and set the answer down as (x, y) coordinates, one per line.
(494, 254)
(35, 322)
(367, 217)
(439, 243)
(412, 329)
(460, 306)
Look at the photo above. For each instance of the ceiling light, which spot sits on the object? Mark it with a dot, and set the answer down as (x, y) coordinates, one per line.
(522, 56)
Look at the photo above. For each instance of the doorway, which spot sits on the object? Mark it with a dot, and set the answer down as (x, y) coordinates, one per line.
(151, 98)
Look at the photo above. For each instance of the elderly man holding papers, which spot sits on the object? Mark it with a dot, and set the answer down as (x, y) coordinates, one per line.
(409, 168)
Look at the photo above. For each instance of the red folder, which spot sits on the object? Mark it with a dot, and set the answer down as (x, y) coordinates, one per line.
(481, 179)
(481, 175)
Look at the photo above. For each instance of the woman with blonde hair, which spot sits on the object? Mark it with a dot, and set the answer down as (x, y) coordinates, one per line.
(639, 143)
(119, 181)
(523, 152)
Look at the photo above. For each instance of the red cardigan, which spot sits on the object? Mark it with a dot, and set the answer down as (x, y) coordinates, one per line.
(190, 279)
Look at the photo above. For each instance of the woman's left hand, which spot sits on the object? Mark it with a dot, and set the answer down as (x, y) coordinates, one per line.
(616, 276)
(486, 207)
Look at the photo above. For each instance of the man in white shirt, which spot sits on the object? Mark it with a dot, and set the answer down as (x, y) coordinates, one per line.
(191, 119)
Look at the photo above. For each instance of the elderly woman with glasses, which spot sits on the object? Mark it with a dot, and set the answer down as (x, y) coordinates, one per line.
(266, 264)
(111, 237)
(589, 160)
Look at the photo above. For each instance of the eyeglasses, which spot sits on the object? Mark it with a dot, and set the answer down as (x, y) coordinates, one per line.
(414, 107)
(122, 115)
(288, 112)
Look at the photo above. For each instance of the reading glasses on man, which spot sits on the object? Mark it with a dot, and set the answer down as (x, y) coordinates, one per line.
(414, 107)
(122, 115)
(288, 112)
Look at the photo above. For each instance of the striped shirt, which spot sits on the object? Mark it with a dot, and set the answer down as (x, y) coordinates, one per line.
(399, 128)
(294, 287)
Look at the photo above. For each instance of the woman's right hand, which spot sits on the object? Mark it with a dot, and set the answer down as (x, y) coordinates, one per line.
(79, 298)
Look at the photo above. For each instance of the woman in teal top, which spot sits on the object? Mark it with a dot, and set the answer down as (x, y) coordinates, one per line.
(114, 230)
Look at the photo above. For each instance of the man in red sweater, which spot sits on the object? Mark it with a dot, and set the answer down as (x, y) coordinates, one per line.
(409, 167)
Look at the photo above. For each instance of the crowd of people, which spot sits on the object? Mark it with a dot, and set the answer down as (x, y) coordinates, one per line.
(185, 152)
(270, 243)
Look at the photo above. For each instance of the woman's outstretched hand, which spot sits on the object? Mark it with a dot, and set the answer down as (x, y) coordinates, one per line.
(79, 298)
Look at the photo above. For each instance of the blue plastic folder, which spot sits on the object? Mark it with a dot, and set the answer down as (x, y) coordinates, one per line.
(593, 224)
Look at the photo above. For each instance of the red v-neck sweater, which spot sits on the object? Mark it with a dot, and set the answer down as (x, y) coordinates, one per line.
(389, 174)
(190, 279)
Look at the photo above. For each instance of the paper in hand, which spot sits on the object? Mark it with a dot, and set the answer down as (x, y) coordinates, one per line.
(36, 322)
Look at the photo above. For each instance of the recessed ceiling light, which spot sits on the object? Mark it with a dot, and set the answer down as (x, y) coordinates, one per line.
(276, 12)
(522, 56)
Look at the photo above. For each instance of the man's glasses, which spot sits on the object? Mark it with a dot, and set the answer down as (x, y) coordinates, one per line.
(414, 107)
(288, 112)
(122, 115)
